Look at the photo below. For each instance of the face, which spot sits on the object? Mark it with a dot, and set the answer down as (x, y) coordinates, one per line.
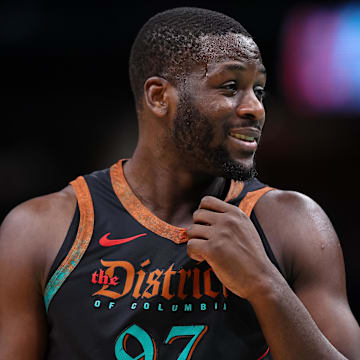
(220, 116)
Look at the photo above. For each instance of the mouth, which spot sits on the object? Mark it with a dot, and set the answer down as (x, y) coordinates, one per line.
(248, 134)
(243, 137)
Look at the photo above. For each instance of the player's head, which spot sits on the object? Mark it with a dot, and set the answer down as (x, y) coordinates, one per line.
(171, 42)
(186, 49)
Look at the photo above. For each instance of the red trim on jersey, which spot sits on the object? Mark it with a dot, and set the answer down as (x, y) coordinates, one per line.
(262, 356)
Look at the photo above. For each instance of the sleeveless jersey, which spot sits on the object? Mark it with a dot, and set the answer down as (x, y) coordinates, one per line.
(123, 287)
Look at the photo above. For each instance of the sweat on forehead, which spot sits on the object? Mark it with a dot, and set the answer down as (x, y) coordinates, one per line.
(228, 47)
(208, 49)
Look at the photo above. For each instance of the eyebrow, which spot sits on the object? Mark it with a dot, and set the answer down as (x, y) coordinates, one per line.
(240, 67)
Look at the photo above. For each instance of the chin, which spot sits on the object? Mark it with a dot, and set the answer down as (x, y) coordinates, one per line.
(239, 170)
(219, 162)
(246, 164)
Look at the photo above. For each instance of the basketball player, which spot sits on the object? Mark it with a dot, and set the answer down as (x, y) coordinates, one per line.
(179, 252)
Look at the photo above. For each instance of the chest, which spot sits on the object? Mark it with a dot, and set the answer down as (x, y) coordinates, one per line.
(137, 294)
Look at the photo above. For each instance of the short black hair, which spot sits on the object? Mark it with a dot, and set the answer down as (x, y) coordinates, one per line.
(169, 42)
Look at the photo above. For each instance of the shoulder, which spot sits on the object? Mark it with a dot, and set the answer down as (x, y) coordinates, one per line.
(290, 203)
(298, 229)
(34, 230)
(42, 206)
(39, 214)
(292, 209)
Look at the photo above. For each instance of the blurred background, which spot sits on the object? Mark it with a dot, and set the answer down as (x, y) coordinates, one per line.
(68, 109)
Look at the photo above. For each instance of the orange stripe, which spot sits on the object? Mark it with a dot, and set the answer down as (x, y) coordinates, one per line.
(143, 215)
(248, 203)
(80, 244)
(138, 210)
(235, 190)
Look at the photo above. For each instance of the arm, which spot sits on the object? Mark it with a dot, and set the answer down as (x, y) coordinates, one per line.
(30, 238)
(232, 247)
(322, 317)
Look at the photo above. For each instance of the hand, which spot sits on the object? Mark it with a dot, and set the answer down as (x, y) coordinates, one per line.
(226, 238)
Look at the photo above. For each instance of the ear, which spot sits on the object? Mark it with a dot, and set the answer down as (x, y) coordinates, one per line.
(157, 95)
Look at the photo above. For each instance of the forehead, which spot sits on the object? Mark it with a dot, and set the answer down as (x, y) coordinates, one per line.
(222, 54)
(238, 47)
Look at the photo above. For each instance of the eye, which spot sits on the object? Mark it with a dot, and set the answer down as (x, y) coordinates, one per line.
(260, 93)
(230, 88)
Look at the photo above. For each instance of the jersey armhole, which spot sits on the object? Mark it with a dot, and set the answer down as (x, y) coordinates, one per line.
(80, 244)
(265, 242)
(67, 244)
(247, 205)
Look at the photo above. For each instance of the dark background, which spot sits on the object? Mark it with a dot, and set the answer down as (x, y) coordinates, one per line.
(68, 109)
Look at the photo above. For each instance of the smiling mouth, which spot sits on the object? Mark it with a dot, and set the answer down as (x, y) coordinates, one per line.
(243, 137)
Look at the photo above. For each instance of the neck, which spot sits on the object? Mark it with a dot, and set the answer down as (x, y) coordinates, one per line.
(167, 188)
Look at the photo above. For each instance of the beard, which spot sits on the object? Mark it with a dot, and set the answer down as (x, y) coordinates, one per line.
(192, 134)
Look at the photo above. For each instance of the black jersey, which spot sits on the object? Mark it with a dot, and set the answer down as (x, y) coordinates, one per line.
(123, 286)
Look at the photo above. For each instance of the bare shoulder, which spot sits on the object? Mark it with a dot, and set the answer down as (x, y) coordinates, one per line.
(293, 206)
(35, 229)
(290, 211)
(297, 228)
(30, 237)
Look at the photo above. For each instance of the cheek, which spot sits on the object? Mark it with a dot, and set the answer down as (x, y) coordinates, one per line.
(219, 132)
(216, 104)
(213, 116)
(220, 115)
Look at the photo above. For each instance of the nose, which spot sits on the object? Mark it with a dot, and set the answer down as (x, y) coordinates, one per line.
(250, 107)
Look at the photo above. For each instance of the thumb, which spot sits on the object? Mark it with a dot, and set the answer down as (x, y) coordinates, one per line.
(196, 249)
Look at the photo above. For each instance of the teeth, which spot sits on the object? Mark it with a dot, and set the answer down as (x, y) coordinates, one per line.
(242, 137)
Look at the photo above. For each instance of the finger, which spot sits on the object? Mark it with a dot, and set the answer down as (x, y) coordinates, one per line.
(198, 231)
(214, 204)
(203, 216)
(196, 249)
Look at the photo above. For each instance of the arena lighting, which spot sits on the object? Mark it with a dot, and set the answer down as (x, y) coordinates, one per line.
(320, 54)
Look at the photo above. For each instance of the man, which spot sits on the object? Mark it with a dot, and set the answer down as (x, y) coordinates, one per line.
(178, 252)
